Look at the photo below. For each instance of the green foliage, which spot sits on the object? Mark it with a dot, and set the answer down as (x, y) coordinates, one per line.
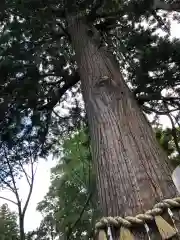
(168, 143)
(38, 70)
(38, 73)
(45, 231)
(72, 199)
(8, 224)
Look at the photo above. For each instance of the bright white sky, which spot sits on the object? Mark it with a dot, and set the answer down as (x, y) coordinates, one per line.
(42, 179)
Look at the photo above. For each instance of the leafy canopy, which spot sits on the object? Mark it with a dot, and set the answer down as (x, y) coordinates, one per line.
(71, 203)
(8, 224)
(39, 73)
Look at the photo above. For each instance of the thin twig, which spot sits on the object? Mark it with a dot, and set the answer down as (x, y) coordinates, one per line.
(149, 109)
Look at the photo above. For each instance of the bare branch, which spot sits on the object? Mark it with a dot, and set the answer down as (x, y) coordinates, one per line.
(30, 189)
(13, 179)
(149, 109)
(25, 173)
(30, 180)
(31, 183)
(9, 200)
(154, 96)
(57, 115)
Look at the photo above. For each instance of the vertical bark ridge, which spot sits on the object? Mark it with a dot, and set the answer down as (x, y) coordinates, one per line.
(132, 170)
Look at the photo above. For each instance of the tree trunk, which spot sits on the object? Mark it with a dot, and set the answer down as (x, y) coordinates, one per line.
(132, 170)
(21, 227)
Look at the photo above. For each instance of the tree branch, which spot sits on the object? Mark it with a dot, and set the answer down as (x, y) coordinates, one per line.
(9, 200)
(161, 22)
(158, 4)
(31, 184)
(29, 195)
(25, 173)
(56, 95)
(154, 96)
(13, 179)
(22, 168)
(150, 110)
(8, 186)
(80, 215)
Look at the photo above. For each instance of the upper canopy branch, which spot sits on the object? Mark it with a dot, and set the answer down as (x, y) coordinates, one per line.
(56, 95)
(151, 97)
(163, 112)
(158, 4)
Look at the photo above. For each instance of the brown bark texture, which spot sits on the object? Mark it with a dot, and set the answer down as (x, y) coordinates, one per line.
(132, 171)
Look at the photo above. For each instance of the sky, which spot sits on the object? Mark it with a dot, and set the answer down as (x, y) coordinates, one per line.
(42, 178)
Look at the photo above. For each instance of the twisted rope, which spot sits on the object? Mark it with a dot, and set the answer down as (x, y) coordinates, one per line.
(139, 219)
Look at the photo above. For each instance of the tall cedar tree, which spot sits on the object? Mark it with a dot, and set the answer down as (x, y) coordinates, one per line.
(132, 170)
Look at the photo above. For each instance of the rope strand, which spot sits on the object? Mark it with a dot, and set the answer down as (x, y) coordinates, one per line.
(139, 219)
